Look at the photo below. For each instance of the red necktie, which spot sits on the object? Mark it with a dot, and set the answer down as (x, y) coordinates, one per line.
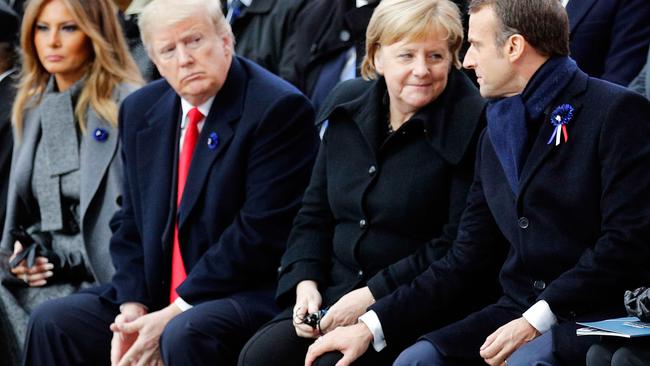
(191, 136)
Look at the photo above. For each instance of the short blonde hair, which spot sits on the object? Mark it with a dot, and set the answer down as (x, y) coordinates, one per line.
(396, 20)
(161, 13)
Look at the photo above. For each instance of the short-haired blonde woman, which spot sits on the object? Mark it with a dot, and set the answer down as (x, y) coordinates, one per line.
(65, 178)
(389, 184)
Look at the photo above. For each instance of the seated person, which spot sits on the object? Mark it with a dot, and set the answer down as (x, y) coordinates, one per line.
(390, 181)
(262, 29)
(8, 58)
(609, 38)
(216, 159)
(561, 183)
(625, 352)
(65, 182)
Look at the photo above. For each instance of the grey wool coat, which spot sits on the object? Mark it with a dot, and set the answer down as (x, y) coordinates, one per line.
(100, 189)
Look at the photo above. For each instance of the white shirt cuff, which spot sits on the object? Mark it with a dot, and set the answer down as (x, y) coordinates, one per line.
(182, 304)
(371, 320)
(540, 316)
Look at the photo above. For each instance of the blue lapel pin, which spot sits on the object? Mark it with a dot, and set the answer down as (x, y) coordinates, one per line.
(213, 140)
(100, 134)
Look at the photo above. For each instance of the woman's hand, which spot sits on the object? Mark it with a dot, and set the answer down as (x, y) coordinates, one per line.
(347, 310)
(308, 300)
(35, 276)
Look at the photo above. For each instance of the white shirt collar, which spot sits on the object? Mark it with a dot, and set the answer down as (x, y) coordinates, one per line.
(361, 3)
(186, 106)
(564, 2)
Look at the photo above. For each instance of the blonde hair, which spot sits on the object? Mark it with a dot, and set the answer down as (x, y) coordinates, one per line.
(110, 64)
(396, 20)
(161, 13)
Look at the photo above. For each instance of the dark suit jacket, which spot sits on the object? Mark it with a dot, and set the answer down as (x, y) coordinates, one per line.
(262, 31)
(378, 210)
(578, 231)
(609, 38)
(239, 199)
(323, 30)
(7, 93)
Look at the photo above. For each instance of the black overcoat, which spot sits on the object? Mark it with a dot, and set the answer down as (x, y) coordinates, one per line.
(379, 209)
(577, 232)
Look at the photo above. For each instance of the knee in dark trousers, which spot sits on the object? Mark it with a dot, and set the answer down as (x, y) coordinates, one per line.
(188, 341)
(69, 331)
(599, 355)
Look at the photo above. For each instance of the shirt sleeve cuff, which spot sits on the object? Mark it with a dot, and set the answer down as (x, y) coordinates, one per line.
(371, 320)
(540, 316)
(182, 304)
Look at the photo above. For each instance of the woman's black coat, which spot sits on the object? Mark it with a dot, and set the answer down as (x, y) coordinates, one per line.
(379, 210)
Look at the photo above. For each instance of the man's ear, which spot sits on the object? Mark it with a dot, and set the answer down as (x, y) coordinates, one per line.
(228, 44)
(515, 47)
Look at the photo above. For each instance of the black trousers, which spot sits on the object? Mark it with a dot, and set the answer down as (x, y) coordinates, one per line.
(277, 344)
(620, 352)
(75, 330)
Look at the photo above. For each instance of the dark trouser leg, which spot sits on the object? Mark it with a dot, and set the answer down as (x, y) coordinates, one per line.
(73, 330)
(278, 345)
(600, 355)
(637, 353)
(538, 352)
(275, 345)
(422, 353)
(459, 343)
(214, 332)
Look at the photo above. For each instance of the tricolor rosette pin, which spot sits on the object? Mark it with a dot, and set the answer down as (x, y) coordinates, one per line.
(559, 118)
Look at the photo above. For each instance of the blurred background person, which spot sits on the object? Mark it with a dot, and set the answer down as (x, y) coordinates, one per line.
(390, 182)
(8, 36)
(609, 38)
(66, 173)
(327, 45)
(262, 29)
(129, 12)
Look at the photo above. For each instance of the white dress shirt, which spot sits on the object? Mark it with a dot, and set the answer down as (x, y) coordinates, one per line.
(539, 316)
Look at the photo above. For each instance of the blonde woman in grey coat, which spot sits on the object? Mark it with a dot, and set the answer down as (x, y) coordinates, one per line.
(66, 174)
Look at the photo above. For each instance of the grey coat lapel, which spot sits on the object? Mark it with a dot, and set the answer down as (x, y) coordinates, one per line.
(96, 158)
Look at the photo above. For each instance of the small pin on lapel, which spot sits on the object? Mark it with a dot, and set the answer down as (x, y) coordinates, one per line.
(100, 134)
(213, 140)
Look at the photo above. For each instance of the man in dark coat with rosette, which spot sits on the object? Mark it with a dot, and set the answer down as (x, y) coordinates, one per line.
(561, 182)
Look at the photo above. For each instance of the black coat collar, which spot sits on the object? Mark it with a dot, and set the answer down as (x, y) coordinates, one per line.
(450, 121)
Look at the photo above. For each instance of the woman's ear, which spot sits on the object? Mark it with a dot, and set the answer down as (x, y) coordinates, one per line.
(379, 60)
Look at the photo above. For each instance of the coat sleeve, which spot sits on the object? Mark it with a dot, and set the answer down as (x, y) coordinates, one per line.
(406, 269)
(620, 255)
(278, 166)
(478, 248)
(128, 283)
(309, 248)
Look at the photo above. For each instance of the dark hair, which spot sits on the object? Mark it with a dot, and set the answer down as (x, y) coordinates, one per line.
(543, 23)
(8, 56)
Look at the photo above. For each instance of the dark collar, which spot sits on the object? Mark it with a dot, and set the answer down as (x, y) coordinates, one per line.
(451, 121)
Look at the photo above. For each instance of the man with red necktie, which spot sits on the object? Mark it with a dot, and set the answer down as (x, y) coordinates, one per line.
(216, 158)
